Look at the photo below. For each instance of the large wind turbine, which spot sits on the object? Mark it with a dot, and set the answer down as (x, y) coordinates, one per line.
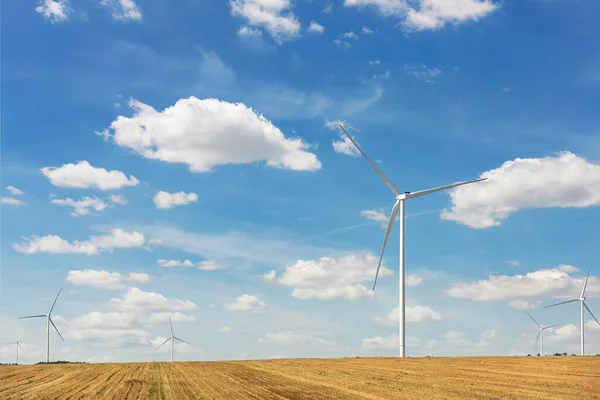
(172, 339)
(48, 322)
(17, 345)
(581, 299)
(400, 199)
(540, 333)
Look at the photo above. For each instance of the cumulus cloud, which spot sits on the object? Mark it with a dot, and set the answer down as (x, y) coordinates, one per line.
(274, 17)
(127, 318)
(208, 265)
(118, 238)
(413, 314)
(14, 191)
(269, 276)
(246, 303)
(105, 280)
(290, 338)
(562, 181)
(117, 199)
(345, 146)
(11, 201)
(164, 200)
(525, 291)
(512, 263)
(413, 280)
(421, 71)
(375, 215)
(174, 263)
(83, 206)
(84, 176)
(316, 27)
(429, 14)
(54, 10)
(388, 342)
(333, 278)
(366, 30)
(123, 9)
(204, 130)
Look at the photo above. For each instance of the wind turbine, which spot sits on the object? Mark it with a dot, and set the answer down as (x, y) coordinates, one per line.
(18, 344)
(540, 333)
(400, 199)
(172, 339)
(48, 322)
(581, 299)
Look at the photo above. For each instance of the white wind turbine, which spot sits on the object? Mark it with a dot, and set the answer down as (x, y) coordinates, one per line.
(540, 333)
(48, 322)
(17, 345)
(581, 299)
(172, 339)
(400, 199)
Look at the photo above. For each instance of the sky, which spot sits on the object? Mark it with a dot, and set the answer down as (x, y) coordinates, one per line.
(183, 161)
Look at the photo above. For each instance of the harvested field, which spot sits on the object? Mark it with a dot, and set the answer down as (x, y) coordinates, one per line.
(352, 378)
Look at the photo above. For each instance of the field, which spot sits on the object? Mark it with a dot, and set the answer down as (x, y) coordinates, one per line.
(351, 378)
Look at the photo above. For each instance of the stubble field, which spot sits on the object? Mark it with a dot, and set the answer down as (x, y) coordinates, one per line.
(352, 378)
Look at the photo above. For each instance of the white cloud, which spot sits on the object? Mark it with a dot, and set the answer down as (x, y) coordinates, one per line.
(225, 329)
(330, 278)
(328, 9)
(413, 314)
(246, 303)
(248, 31)
(117, 199)
(342, 40)
(269, 276)
(535, 285)
(429, 14)
(290, 338)
(342, 44)
(82, 206)
(567, 268)
(512, 263)
(374, 62)
(413, 280)
(489, 334)
(421, 71)
(334, 125)
(345, 146)
(11, 201)
(104, 279)
(137, 300)
(271, 15)
(207, 265)
(204, 130)
(375, 215)
(561, 181)
(164, 200)
(174, 263)
(452, 335)
(524, 304)
(83, 175)
(388, 343)
(348, 35)
(316, 27)
(14, 191)
(118, 238)
(54, 10)
(123, 9)
(565, 333)
(366, 30)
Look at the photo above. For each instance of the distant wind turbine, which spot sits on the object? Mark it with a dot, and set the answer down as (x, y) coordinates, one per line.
(172, 339)
(400, 199)
(540, 334)
(581, 299)
(17, 345)
(48, 322)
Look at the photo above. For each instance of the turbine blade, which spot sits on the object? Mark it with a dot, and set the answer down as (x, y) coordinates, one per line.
(56, 329)
(590, 311)
(53, 304)
(538, 338)
(551, 326)
(163, 343)
(19, 344)
(172, 334)
(385, 239)
(586, 280)
(533, 319)
(181, 340)
(21, 334)
(33, 316)
(375, 167)
(437, 189)
(564, 302)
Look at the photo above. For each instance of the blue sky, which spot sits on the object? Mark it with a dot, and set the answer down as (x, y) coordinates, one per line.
(182, 160)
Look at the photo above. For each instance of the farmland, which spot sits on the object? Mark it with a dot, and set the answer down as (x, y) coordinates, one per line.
(351, 378)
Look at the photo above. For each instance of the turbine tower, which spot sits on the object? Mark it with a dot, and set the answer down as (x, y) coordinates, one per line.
(400, 199)
(540, 334)
(172, 339)
(17, 345)
(581, 299)
(48, 322)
